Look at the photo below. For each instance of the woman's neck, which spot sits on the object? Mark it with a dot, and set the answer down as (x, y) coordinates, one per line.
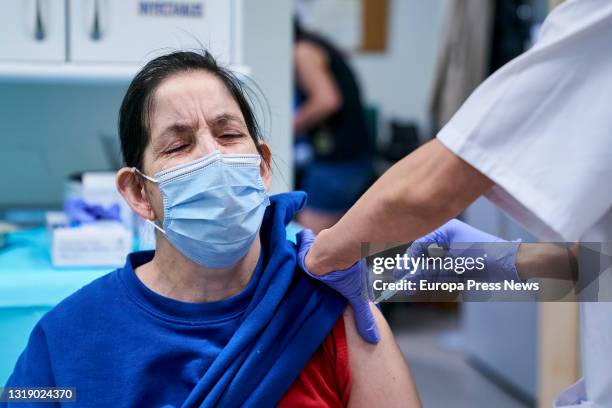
(172, 275)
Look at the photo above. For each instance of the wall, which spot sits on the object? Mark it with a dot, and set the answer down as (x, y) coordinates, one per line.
(398, 81)
(48, 131)
(267, 51)
(502, 336)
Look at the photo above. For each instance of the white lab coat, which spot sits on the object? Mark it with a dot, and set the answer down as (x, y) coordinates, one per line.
(541, 129)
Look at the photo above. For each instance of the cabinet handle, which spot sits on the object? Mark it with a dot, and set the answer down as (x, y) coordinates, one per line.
(96, 32)
(39, 32)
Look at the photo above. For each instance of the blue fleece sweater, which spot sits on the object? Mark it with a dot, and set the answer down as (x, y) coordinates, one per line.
(122, 345)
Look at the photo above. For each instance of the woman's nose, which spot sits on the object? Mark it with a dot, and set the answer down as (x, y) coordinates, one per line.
(206, 144)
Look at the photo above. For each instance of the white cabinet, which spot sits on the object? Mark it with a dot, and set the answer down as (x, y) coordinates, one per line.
(107, 41)
(138, 30)
(33, 30)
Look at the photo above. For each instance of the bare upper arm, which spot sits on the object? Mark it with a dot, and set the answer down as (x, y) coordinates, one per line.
(379, 372)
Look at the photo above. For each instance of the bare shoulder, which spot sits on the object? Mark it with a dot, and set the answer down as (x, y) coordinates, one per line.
(379, 372)
(307, 52)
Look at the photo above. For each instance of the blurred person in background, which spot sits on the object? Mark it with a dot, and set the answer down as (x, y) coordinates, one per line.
(330, 113)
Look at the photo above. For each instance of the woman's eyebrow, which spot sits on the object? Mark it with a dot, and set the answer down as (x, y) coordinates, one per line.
(177, 128)
(181, 128)
(226, 118)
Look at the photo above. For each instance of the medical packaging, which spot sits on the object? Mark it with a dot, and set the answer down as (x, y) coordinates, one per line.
(102, 243)
(98, 187)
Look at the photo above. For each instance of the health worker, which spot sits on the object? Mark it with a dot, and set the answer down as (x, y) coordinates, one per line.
(536, 139)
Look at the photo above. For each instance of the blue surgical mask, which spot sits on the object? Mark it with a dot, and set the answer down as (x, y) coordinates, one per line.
(213, 207)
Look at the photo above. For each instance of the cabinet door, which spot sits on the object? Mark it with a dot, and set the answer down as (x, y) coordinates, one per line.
(33, 30)
(139, 30)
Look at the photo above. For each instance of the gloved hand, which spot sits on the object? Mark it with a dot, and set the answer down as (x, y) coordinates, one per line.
(78, 210)
(459, 239)
(350, 283)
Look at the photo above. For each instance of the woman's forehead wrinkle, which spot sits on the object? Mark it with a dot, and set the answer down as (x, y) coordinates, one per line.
(196, 100)
(217, 105)
(175, 111)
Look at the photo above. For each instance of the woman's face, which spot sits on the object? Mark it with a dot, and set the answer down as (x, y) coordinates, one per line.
(192, 114)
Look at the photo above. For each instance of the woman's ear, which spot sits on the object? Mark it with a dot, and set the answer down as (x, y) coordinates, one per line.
(266, 164)
(132, 188)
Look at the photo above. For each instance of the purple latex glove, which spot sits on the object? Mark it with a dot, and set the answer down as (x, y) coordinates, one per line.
(459, 239)
(351, 283)
(78, 210)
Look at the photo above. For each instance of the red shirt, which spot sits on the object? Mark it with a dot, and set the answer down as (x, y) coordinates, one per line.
(326, 379)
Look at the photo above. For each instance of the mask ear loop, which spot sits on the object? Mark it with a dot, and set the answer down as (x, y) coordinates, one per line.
(151, 179)
(160, 229)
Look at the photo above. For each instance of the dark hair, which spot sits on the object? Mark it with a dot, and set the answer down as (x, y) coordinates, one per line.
(136, 105)
(298, 30)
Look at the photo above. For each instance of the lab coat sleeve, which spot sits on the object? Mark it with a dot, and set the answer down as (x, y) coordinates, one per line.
(541, 126)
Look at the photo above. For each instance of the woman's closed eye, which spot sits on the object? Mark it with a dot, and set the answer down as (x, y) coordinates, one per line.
(227, 136)
(176, 149)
